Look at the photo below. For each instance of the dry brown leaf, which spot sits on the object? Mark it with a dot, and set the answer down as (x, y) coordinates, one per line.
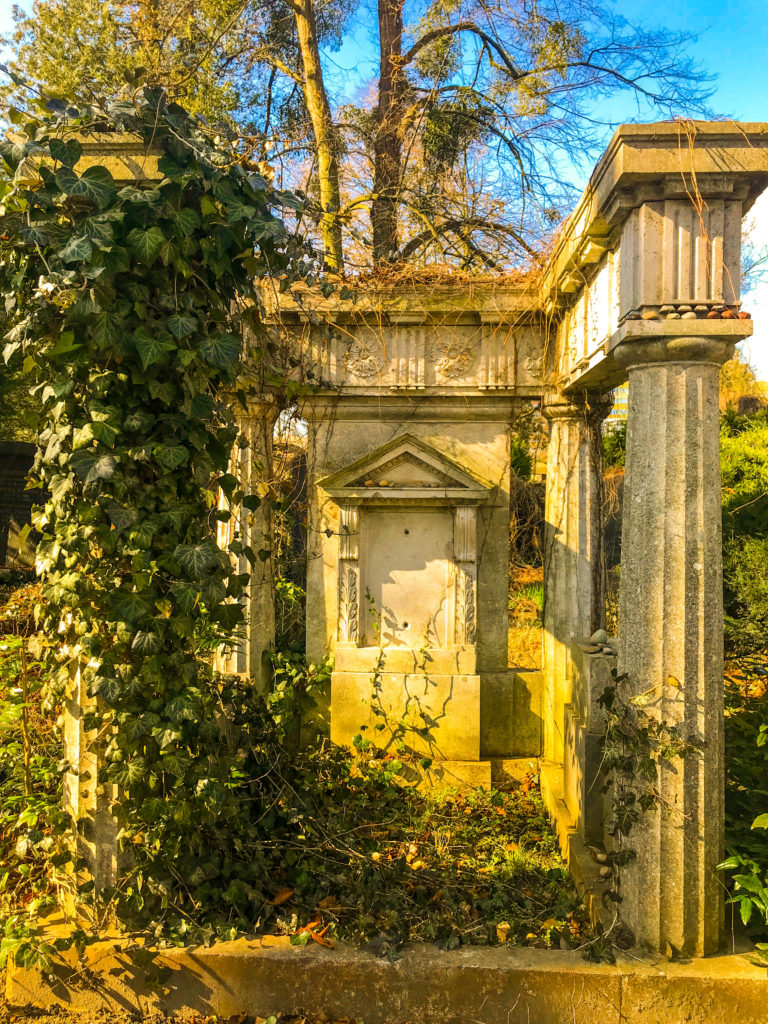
(280, 897)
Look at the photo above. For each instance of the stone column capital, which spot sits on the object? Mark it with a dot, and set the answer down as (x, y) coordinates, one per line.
(703, 348)
(557, 406)
(587, 406)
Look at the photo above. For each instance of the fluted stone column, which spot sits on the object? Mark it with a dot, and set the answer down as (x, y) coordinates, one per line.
(86, 800)
(254, 469)
(574, 593)
(671, 632)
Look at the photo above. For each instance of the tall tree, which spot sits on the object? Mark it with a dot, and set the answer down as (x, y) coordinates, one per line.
(323, 129)
(457, 153)
(507, 83)
(390, 112)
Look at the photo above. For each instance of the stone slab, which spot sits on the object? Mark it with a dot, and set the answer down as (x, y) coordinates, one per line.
(482, 986)
(437, 716)
(446, 661)
(511, 714)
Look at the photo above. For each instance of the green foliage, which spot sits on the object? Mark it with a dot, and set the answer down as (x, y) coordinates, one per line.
(746, 792)
(744, 468)
(527, 600)
(615, 446)
(127, 304)
(295, 685)
(312, 843)
(19, 417)
(521, 461)
(33, 827)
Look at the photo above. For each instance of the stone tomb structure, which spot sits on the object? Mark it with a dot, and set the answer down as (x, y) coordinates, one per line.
(408, 470)
(409, 505)
(408, 548)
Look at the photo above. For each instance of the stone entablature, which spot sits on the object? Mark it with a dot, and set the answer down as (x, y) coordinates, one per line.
(656, 237)
(371, 345)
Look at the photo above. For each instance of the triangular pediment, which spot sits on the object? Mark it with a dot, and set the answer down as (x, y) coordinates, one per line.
(406, 468)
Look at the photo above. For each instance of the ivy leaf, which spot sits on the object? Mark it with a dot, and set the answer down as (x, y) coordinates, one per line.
(197, 560)
(146, 243)
(116, 261)
(171, 456)
(163, 391)
(201, 406)
(151, 347)
(146, 642)
(67, 153)
(143, 533)
(95, 184)
(104, 432)
(221, 349)
(77, 249)
(107, 330)
(139, 419)
(185, 221)
(82, 436)
(131, 606)
(93, 468)
(127, 773)
(98, 231)
(227, 615)
(108, 688)
(187, 596)
(121, 517)
(182, 709)
(181, 325)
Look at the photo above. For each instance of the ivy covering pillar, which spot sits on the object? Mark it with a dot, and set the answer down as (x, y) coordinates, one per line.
(671, 632)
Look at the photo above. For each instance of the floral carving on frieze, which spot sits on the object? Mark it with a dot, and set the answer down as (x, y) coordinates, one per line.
(453, 357)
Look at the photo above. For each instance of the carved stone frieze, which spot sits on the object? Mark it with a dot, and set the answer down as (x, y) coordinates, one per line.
(365, 355)
(454, 356)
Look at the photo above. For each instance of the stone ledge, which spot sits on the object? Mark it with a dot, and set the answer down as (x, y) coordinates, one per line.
(602, 369)
(424, 985)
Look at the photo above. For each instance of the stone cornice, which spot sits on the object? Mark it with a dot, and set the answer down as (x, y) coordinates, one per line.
(671, 341)
(650, 162)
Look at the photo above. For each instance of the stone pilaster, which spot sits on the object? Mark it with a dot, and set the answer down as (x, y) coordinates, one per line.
(253, 467)
(85, 799)
(574, 593)
(671, 632)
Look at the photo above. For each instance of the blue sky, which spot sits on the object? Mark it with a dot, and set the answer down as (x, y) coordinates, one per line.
(732, 44)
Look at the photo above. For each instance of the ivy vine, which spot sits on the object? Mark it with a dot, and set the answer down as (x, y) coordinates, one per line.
(127, 303)
(635, 743)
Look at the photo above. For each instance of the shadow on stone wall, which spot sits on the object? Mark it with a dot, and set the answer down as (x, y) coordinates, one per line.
(16, 503)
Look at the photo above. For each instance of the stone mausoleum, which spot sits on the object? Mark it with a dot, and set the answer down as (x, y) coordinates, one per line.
(409, 493)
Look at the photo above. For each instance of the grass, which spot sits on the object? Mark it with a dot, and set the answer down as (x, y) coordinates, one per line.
(526, 601)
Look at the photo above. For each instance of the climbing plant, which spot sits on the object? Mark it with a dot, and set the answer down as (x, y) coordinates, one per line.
(127, 304)
(636, 744)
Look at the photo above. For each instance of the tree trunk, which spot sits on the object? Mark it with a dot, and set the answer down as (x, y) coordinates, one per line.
(387, 145)
(322, 126)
